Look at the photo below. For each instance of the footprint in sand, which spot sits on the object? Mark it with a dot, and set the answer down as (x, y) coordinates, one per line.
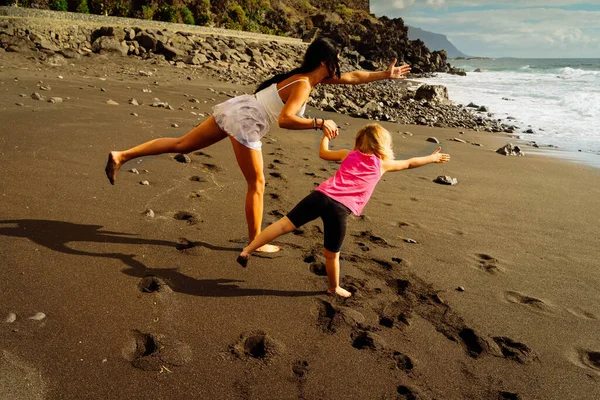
(503, 395)
(409, 393)
(330, 318)
(211, 167)
(371, 237)
(535, 304)
(488, 263)
(277, 213)
(514, 350)
(580, 313)
(155, 352)
(153, 284)
(256, 345)
(201, 153)
(186, 216)
(300, 369)
(197, 178)
(365, 340)
(278, 175)
(402, 361)
(590, 359)
(318, 268)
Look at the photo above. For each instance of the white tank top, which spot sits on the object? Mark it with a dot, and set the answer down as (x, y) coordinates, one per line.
(272, 103)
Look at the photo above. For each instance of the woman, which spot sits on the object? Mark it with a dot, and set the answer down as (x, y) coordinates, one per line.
(246, 119)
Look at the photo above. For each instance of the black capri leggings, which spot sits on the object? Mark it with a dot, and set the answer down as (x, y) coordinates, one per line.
(333, 213)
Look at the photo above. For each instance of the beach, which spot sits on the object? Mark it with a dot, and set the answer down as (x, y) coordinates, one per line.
(517, 235)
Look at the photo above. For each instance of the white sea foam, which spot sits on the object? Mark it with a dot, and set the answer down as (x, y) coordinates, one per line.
(560, 103)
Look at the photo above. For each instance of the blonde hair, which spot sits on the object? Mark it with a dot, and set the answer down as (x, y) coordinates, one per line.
(374, 139)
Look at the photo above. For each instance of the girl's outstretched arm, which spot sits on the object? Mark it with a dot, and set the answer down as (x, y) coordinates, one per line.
(357, 77)
(331, 155)
(399, 165)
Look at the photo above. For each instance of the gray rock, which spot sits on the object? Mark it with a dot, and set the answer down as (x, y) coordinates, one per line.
(133, 102)
(433, 140)
(432, 93)
(446, 180)
(145, 183)
(55, 100)
(12, 317)
(110, 45)
(37, 96)
(149, 213)
(459, 140)
(510, 150)
(112, 102)
(38, 316)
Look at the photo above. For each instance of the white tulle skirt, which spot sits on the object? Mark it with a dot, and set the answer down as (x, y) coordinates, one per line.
(244, 118)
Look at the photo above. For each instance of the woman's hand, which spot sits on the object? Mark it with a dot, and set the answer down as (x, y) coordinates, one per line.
(329, 128)
(440, 157)
(397, 72)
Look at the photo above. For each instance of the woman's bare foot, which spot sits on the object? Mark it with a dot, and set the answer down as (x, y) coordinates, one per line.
(340, 292)
(112, 166)
(243, 259)
(268, 248)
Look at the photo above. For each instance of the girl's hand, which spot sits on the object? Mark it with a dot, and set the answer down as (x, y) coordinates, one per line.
(397, 72)
(329, 128)
(440, 157)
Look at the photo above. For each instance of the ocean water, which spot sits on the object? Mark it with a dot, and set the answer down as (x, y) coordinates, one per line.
(559, 99)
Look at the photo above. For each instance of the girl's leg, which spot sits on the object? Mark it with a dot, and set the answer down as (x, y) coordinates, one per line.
(332, 266)
(251, 164)
(272, 232)
(204, 135)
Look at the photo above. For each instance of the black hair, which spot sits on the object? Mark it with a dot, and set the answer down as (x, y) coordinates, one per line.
(320, 50)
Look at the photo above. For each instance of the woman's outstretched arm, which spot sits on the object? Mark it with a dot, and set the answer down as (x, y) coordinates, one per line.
(357, 77)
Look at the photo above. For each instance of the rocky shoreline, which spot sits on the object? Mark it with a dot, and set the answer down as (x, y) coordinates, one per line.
(224, 55)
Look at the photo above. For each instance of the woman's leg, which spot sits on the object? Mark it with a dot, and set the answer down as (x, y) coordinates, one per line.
(332, 266)
(271, 232)
(204, 135)
(251, 164)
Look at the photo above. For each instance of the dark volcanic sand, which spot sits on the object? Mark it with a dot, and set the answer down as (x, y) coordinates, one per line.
(519, 234)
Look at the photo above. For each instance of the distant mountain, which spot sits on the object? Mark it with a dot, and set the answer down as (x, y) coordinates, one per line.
(435, 41)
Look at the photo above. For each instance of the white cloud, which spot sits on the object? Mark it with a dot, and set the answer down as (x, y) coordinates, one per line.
(521, 32)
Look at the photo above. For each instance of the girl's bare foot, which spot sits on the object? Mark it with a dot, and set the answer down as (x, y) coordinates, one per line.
(112, 166)
(340, 292)
(243, 259)
(268, 248)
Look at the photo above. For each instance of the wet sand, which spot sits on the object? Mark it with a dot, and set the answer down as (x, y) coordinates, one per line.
(137, 306)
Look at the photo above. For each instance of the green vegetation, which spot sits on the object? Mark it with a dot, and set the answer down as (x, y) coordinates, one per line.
(82, 7)
(59, 5)
(187, 17)
(147, 12)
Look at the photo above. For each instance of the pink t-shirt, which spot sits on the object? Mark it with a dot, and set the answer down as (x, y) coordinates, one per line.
(353, 184)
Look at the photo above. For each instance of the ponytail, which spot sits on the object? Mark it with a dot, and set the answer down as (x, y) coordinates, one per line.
(321, 50)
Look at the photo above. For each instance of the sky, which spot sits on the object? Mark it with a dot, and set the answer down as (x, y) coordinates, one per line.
(507, 28)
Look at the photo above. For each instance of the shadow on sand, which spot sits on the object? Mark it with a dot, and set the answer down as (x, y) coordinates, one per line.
(56, 235)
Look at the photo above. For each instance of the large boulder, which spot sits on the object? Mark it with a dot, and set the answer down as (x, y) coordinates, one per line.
(146, 40)
(433, 94)
(110, 45)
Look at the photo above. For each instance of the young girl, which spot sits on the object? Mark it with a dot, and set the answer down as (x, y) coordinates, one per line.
(247, 118)
(347, 191)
